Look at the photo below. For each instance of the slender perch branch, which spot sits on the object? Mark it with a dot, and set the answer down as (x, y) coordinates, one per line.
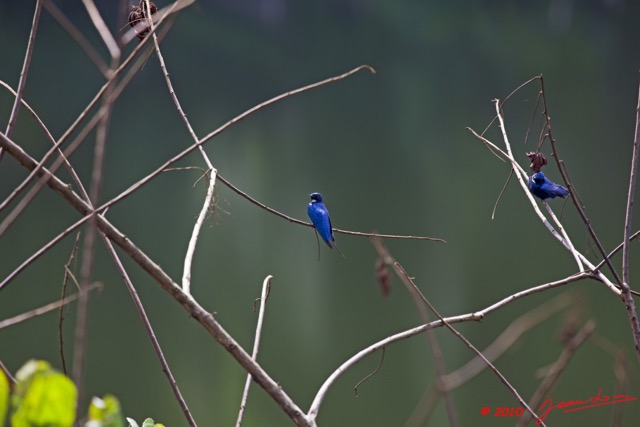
(308, 224)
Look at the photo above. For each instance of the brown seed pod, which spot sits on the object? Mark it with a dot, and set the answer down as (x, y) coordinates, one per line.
(538, 160)
(138, 14)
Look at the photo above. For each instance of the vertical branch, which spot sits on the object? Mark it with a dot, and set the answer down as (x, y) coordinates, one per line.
(191, 248)
(266, 288)
(23, 73)
(65, 280)
(626, 290)
(79, 351)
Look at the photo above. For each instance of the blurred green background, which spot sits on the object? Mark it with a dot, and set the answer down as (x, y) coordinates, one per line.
(389, 152)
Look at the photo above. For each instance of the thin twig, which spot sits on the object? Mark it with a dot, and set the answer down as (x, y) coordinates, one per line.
(616, 250)
(504, 187)
(14, 320)
(147, 326)
(78, 37)
(22, 82)
(34, 256)
(67, 274)
(370, 374)
(10, 378)
(266, 289)
(103, 30)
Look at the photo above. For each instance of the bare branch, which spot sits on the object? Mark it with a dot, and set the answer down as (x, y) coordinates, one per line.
(266, 289)
(308, 224)
(79, 38)
(626, 248)
(45, 308)
(102, 28)
(24, 72)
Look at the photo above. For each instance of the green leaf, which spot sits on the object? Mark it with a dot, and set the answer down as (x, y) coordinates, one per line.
(148, 423)
(43, 397)
(4, 396)
(106, 412)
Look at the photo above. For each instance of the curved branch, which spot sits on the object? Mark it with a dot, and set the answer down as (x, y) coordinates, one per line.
(474, 316)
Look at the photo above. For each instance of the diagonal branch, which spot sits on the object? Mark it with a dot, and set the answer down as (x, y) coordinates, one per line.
(152, 336)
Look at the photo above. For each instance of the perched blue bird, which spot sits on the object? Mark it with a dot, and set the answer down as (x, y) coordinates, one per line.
(319, 216)
(541, 187)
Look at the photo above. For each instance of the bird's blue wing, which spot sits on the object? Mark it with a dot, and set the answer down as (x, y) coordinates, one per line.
(320, 217)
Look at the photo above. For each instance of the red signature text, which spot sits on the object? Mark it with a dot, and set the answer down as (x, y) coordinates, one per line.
(580, 404)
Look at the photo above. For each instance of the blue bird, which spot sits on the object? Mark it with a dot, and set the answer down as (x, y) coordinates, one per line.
(319, 216)
(541, 187)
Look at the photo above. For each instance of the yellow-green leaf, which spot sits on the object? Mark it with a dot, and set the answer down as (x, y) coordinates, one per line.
(4, 396)
(43, 397)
